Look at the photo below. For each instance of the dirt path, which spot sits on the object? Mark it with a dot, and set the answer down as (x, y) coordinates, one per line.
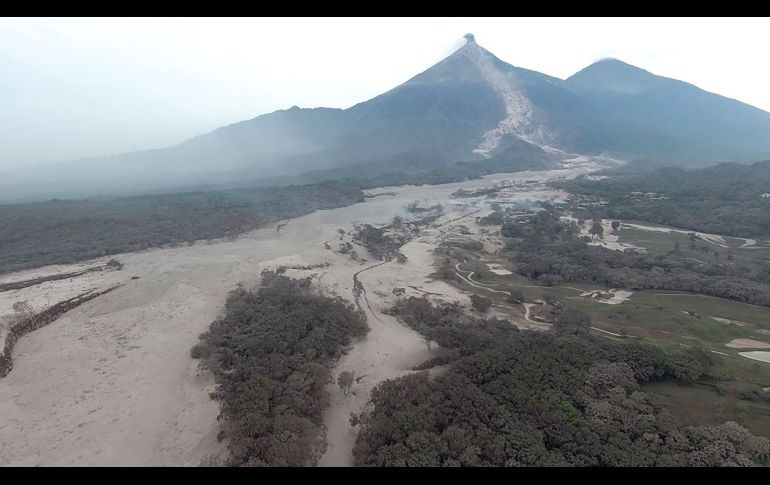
(611, 333)
(528, 306)
(747, 243)
(611, 239)
(468, 280)
(712, 238)
(716, 239)
(528, 311)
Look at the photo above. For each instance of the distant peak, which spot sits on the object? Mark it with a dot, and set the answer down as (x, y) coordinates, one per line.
(471, 47)
(613, 75)
(613, 61)
(609, 59)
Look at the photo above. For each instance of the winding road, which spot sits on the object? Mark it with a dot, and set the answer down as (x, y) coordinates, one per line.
(528, 306)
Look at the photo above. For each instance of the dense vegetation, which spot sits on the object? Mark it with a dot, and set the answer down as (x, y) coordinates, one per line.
(381, 245)
(513, 398)
(66, 231)
(549, 251)
(271, 354)
(723, 199)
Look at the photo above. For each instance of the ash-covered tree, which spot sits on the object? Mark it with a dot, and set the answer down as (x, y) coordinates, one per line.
(271, 355)
(511, 397)
(480, 304)
(23, 308)
(597, 230)
(515, 296)
(572, 322)
(345, 381)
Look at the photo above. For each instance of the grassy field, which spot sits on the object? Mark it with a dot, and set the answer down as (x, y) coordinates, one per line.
(705, 305)
(734, 368)
(703, 405)
(669, 320)
(529, 290)
(661, 320)
(656, 321)
(654, 314)
(665, 319)
(660, 243)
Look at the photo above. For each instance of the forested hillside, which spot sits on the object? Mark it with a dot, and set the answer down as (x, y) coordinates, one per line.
(723, 199)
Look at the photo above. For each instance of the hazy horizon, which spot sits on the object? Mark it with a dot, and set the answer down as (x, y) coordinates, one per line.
(75, 88)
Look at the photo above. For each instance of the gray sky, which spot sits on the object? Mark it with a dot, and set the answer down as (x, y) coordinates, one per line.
(71, 88)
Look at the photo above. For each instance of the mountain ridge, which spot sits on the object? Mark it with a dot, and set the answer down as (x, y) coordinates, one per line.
(463, 108)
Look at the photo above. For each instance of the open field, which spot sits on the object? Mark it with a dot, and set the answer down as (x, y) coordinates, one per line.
(668, 320)
(706, 305)
(650, 314)
(688, 320)
(660, 242)
(703, 405)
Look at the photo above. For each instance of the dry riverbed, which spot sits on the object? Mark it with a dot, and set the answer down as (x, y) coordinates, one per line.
(112, 381)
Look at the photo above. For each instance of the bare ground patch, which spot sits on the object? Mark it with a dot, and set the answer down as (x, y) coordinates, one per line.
(747, 343)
